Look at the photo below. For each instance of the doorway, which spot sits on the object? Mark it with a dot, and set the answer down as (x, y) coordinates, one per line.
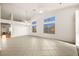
(5, 30)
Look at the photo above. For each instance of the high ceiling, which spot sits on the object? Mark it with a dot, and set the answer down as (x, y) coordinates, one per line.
(24, 11)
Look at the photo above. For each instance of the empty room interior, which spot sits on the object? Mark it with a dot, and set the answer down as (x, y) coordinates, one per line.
(39, 29)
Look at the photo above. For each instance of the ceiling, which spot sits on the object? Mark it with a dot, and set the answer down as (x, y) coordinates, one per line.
(25, 11)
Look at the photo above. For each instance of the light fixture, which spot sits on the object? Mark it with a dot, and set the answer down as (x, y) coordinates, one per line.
(40, 11)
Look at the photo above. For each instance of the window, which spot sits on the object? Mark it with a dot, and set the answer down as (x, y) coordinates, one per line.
(49, 25)
(34, 26)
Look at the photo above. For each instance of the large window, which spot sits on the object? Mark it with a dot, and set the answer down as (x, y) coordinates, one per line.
(34, 26)
(49, 25)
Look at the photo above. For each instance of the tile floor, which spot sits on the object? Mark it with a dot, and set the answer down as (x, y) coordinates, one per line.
(36, 46)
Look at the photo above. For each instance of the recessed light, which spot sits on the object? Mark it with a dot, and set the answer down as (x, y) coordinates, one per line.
(40, 11)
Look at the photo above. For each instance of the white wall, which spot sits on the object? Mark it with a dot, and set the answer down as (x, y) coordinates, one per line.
(77, 28)
(65, 24)
(0, 11)
(0, 20)
(19, 30)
